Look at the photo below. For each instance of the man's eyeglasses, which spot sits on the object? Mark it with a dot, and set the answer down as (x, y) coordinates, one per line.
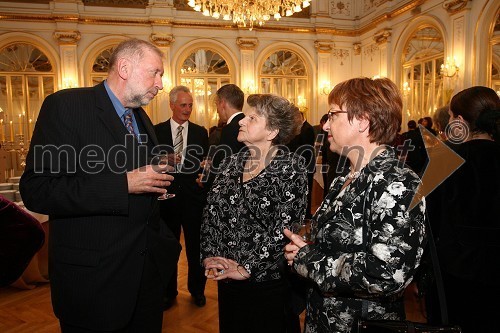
(333, 112)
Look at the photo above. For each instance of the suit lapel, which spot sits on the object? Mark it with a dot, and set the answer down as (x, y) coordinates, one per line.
(168, 133)
(108, 115)
(148, 125)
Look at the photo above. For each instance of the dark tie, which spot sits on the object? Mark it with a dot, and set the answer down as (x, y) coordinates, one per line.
(127, 120)
(178, 141)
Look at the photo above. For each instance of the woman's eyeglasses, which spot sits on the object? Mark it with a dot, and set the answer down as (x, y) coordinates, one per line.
(333, 112)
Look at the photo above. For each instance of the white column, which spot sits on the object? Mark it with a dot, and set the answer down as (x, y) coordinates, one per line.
(68, 41)
(248, 78)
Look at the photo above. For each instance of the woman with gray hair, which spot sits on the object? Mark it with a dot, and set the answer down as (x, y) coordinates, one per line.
(258, 193)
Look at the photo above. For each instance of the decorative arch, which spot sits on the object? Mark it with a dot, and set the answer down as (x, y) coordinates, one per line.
(92, 51)
(485, 36)
(47, 48)
(205, 78)
(301, 94)
(418, 72)
(210, 44)
(403, 37)
(24, 83)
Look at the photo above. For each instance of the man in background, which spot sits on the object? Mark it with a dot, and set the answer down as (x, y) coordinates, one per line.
(416, 155)
(184, 211)
(87, 168)
(229, 101)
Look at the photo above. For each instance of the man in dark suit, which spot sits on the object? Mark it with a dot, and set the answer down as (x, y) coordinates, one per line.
(303, 144)
(87, 168)
(186, 208)
(413, 152)
(229, 101)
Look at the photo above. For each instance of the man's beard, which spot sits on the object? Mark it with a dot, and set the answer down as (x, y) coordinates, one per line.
(139, 100)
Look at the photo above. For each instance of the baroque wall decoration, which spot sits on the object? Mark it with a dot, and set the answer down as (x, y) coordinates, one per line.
(370, 50)
(64, 37)
(342, 7)
(382, 36)
(357, 48)
(323, 46)
(341, 54)
(368, 5)
(161, 40)
(247, 43)
(454, 6)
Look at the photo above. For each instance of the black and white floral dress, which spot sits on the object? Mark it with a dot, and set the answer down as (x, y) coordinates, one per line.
(368, 246)
(245, 221)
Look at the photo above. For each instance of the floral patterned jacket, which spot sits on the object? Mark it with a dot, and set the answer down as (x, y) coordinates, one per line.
(368, 246)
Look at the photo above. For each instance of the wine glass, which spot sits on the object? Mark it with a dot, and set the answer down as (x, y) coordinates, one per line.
(206, 165)
(306, 229)
(165, 163)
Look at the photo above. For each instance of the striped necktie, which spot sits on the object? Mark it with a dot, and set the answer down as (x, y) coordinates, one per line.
(178, 141)
(127, 120)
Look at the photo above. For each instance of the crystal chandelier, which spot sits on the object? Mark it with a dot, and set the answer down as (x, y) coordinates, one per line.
(248, 12)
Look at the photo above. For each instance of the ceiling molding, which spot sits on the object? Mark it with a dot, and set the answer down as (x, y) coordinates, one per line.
(187, 23)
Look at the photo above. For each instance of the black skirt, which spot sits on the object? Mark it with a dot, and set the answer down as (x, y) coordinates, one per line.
(253, 307)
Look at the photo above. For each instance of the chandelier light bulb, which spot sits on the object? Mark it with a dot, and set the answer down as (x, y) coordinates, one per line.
(248, 13)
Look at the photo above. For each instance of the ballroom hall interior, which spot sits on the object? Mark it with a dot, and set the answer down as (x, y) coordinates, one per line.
(431, 49)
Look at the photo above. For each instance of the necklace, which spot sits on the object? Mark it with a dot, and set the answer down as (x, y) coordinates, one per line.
(353, 175)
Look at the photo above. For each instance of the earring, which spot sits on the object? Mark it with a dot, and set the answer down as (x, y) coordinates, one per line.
(360, 130)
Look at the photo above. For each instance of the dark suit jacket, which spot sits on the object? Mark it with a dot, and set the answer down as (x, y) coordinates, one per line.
(197, 149)
(416, 158)
(228, 145)
(99, 233)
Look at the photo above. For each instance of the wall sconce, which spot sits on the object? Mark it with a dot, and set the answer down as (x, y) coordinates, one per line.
(449, 68)
(324, 88)
(406, 89)
(69, 83)
(249, 87)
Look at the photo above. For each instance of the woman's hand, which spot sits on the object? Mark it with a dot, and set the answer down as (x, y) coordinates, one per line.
(213, 266)
(291, 249)
(220, 268)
